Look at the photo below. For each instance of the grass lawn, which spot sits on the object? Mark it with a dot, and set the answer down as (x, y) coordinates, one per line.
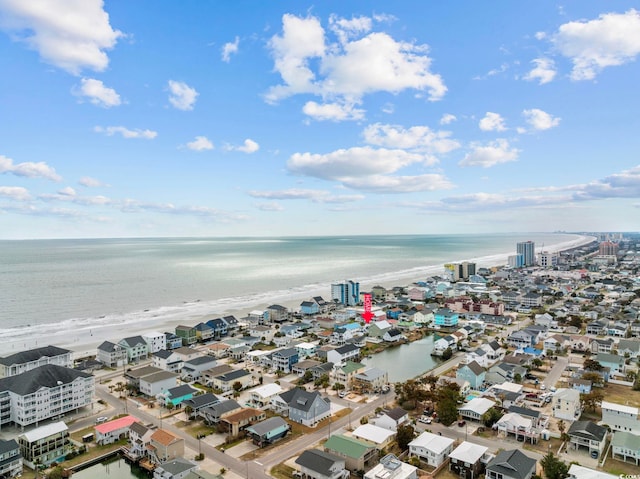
(621, 395)
(195, 428)
(617, 468)
(281, 471)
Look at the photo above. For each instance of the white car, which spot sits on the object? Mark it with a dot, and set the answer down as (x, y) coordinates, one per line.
(543, 387)
(101, 419)
(425, 419)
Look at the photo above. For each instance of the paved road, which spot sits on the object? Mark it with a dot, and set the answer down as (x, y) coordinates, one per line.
(556, 371)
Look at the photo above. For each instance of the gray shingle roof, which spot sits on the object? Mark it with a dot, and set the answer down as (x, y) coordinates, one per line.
(33, 355)
(267, 425)
(47, 376)
(588, 430)
(512, 464)
(317, 461)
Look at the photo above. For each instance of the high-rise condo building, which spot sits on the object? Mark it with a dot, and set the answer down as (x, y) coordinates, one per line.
(528, 250)
(608, 248)
(347, 293)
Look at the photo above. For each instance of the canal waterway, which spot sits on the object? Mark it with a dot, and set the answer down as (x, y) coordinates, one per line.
(116, 468)
(407, 360)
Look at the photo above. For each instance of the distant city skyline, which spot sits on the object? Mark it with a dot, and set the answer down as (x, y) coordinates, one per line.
(134, 119)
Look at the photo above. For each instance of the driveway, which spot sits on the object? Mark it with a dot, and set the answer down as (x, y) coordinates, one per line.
(556, 372)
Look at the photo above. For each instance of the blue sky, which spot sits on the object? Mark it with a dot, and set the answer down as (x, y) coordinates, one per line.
(194, 118)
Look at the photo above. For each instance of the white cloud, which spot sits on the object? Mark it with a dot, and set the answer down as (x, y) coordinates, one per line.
(447, 118)
(89, 182)
(97, 93)
(182, 96)
(125, 132)
(69, 34)
(540, 120)
(271, 206)
(346, 71)
(399, 184)
(317, 196)
(28, 169)
(67, 191)
(492, 122)
(543, 72)
(491, 154)
(352, 162)
(332, 111)
(249, 146)
(230, 48)
(420, 138)
(17, 193)
(612, 39)
(201, 143)
(346, 29)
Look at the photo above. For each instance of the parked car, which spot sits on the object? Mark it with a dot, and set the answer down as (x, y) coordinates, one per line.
(543, 387)
(101, 419)
(594, 454)
(425, 419)
(462, 422)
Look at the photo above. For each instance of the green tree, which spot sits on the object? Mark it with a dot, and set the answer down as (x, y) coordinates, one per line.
(447, 353)
(537, 363)
(592, 400)
(491, 417)
(592, 365)
(56, 473)
(447, 398)
(338, 387)
(323, 381)
(553, 467)
(237, 386)
(404, 436)
(307, 377)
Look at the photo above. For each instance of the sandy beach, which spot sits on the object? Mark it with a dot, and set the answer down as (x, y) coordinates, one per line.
(84, 338)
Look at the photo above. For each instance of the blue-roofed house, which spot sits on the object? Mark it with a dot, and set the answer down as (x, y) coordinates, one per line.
(173, 341)
(445, 318)
(219, 327)
(204, 332)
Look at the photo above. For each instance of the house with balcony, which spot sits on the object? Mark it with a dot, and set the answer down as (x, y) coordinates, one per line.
(187, 334)
(136, 347)
(155, 340)
(473, 373)
(164, 446)
(318, 464)
(155, 383)
(371, 380)
(342, 354)
(173, 359)
(225, 381)
(445, 318)
(522, 338)
(613, 362)
(213, 414)
(621, 417)
(24, 361)
(629, 348)
(597, 327)
(276, 313)
(284, 359)
(587, 435)
(237, 421)
(511, 464)
(111, 355)
(345, 373)
(10, 459)
(307, 408)
(193, 368)
(178, 468)
(204, 332)
(519, 426)
(200, 401)
(626, 447)
(268, 431)
(309, 308)
(469, 460)
(602, 345)
(431, 448)
(566, 404)
(358, 455)
(173, 341)
(476, 408)
(176, 395)
(261, 396)
(43, 393)
(219, 327)
(45, 445)
(112, 431)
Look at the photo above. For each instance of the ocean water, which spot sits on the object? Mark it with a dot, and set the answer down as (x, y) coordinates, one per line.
(54, 285)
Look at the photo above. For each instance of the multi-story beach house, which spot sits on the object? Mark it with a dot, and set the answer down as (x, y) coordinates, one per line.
(136, 347)
(111, 354)
(284, 359)
(43, 393)
(445, 318)
(24, 361)
(10, 459)
(621, 418)
(303, 407)
(511, 464)
(155, 340)
(45, 445)
(472, 372)
(566, 404)
(187, 334)
(468, 460)
(431, 448)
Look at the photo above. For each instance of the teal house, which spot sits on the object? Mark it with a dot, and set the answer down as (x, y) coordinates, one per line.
(445, 318)
(178, 394)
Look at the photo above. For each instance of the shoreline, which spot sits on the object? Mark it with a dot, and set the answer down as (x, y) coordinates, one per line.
(83, 336)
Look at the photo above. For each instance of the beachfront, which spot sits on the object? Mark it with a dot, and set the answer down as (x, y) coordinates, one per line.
(84, 338)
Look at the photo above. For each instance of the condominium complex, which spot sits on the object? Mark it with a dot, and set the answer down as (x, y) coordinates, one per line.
(528, 250)
(24, 361)
(347, 293)
(43, 393)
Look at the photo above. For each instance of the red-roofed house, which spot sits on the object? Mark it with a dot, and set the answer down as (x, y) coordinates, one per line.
(112, 431)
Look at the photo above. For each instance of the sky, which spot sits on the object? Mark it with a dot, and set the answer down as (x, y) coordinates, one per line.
(290, 118)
